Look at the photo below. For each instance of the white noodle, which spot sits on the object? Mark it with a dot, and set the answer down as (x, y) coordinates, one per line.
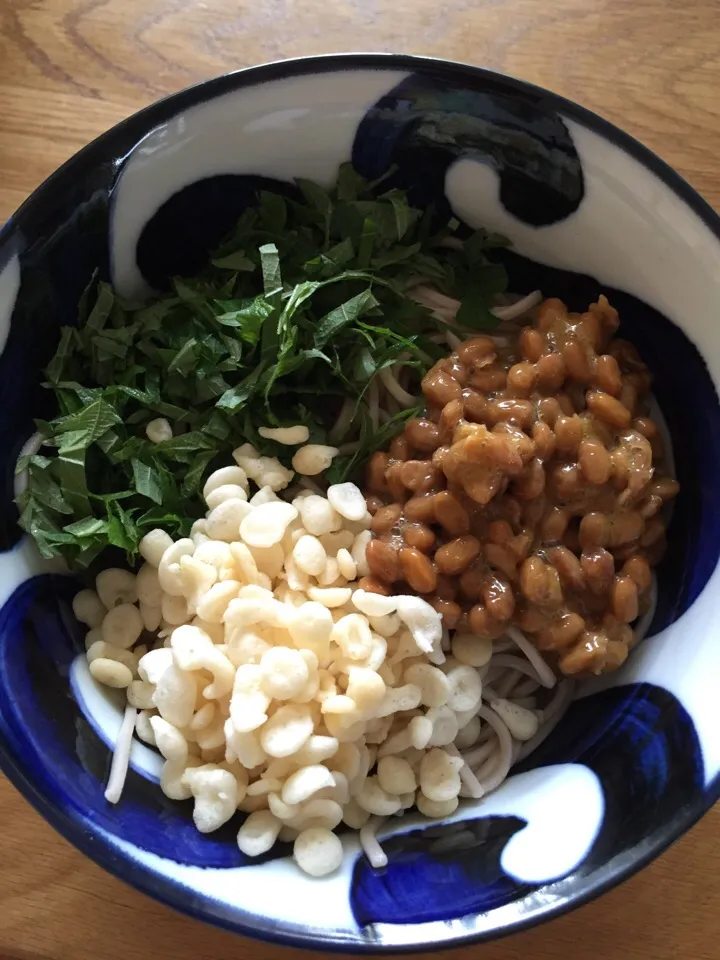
(466, 775)
(528, 702)
(369, 842)
(443, 314)
(431, 297)
(504, 758)
(406, 355)
(515, 310)
(484, 670)
(339, 429)
(486, 733)
(446, 308)
(565, 693)
(374, 402)
(643, 624)
(452, 341)
(394, 389)
(547, 677)
(503, 644)
(508, 683)
(484, 771)
(121, 756)
(524, 689)
(516, 663)
(479, 754)
(558, 701)
(492, 673)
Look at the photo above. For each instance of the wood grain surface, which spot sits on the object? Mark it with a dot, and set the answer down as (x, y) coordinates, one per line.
(69, 69)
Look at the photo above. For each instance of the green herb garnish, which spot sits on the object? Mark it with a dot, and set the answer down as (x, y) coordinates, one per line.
(297, 311)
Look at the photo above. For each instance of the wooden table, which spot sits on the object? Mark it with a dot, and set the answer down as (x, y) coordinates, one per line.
(71, 68)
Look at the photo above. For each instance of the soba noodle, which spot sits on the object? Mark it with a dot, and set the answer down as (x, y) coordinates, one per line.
(121, 756)
(369, 842)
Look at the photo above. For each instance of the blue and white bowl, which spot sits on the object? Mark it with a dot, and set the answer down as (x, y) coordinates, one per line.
(635, 760)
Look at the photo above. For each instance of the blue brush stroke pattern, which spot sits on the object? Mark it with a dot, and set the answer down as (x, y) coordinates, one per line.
(421, 127)
(441, 872)
(44, 732)
(176, 241)
(641, 743)
(59, 245)
(426, 123)
(638, 740)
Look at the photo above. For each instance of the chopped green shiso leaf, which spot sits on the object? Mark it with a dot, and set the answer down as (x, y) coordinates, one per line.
(296, 312)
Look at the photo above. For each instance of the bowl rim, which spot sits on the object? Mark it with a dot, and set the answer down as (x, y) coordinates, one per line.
(139, 125)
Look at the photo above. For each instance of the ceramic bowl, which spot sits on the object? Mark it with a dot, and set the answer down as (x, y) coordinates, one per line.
(635, 760)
